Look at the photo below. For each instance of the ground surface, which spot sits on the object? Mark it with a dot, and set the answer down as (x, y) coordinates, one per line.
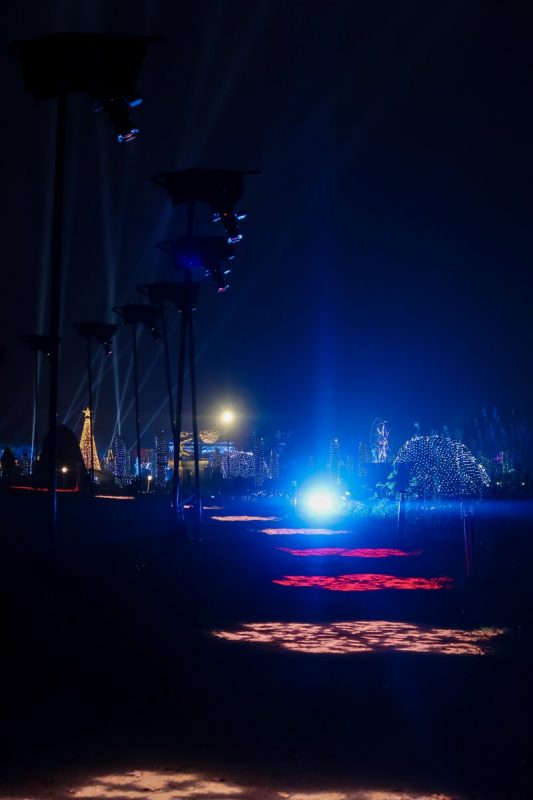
(112, 671)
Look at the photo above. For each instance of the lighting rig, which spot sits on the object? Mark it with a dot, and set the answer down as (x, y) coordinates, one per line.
(103, 333)
(194, 259)
(221, 189)
(106, 68)
(150, 317)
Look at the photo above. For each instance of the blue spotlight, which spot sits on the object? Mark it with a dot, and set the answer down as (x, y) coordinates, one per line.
(320, 501)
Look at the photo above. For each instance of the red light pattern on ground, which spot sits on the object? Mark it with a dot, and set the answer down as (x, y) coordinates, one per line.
(364, 582)
(360, 552)
(42, 489)
(245, 519)
(172, 785)
(364, 636)
(301, 531)
(113, 497)
(163, 786)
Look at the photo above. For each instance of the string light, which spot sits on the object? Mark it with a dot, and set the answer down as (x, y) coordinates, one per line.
(161, 460)
(87, 442)
(440, 467)
(121, 460)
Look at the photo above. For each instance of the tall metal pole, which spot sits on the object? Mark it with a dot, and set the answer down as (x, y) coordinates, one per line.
(35, 404)
(55, 303)
(137, 420)
(91, 430)
(198, 499)
(179, 412)
(168, 376)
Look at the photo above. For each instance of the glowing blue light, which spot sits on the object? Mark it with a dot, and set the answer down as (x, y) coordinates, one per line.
(128, 137)
(321, 502)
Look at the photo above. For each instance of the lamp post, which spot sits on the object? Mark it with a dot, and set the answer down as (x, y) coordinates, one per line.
(227, 417)
(105, 68)
(149, 316)
(196, 257)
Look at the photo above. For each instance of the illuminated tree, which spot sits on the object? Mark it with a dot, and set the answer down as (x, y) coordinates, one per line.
(363, 459)
(379, 441)
(86, 443)
(122, 466)
(161, 460)
(334, 460)
(440, 467)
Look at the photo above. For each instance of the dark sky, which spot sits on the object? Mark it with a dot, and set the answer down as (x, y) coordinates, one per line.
(386, 260)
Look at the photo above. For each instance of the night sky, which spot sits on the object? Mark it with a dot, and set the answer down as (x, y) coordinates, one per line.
(386, 258)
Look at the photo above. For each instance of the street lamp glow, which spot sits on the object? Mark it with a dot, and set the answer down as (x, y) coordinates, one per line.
(227, 417)
(64, 470)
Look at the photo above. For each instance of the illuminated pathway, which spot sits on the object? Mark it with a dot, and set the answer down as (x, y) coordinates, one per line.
(359, 552)
(173, 785)
(364, 636)
(302, 531)
(229, 518)
(363, 582)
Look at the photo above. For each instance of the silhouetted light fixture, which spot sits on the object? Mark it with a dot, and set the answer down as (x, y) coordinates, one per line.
(103, 332)
(105, 68)
(221, 189)
(39, 343)
(118, 112)
(137, 314)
